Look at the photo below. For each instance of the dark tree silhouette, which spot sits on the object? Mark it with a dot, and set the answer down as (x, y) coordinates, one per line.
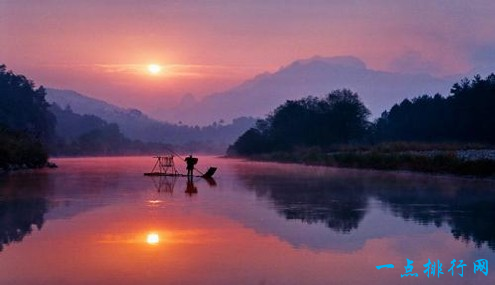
(464, 116)
(23, 107)
(338, 118)
(25, 122)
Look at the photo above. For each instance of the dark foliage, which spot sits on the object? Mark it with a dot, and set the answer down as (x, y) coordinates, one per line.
(19, 150)
(338, 118)
(465, 116)
(25, 122)
(23, 107)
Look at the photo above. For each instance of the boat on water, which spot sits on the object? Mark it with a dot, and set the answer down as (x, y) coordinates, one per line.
(165, 166)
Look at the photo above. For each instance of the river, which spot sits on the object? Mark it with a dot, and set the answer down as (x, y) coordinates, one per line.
(100, 221)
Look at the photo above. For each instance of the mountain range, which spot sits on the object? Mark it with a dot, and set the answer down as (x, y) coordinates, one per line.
(317, 76)
(256, 97)
(138, 126)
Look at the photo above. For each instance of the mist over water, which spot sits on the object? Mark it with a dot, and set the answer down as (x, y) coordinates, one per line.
(100, 221)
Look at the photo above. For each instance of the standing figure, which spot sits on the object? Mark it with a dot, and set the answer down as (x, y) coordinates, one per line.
(190, 162)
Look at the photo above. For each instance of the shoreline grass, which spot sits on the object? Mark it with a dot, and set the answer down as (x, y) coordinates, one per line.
(441, 163)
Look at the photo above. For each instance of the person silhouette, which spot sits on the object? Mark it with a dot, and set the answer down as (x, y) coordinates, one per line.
(190, 163)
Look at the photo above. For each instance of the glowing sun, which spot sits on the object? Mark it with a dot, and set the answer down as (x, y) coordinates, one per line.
(154, 69)
(152, 238)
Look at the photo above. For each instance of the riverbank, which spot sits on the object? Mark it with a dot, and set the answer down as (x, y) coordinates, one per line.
(459, 162)
(17, 167)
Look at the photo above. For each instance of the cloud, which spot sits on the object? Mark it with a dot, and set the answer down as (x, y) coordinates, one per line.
(170, 70)
(120, 68)
(180, 70)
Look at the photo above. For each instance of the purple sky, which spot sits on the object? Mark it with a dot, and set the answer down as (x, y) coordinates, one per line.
(102, 48)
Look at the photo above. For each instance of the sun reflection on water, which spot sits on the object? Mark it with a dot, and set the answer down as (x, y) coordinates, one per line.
(154, 203)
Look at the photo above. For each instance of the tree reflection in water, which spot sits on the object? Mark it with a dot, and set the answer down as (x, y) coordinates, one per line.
(339, 198)
(466, 206)
(17, 218)
(21, 208)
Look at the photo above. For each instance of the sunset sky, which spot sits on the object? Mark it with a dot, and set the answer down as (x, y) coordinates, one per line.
(103, 48)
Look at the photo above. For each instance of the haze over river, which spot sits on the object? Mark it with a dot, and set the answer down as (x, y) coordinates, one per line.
(100, 221)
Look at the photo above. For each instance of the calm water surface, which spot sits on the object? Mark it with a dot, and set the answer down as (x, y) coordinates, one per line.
(100, 221)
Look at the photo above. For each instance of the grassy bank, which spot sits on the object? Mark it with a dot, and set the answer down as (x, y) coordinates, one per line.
(445, 162)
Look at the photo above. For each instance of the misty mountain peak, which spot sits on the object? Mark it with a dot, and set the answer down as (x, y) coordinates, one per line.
(336, 61)
(312, 76)
(186, 101)
(188, 98)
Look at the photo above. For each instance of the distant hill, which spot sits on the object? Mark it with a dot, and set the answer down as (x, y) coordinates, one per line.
(78, 135)
(132, 122)
(316, 76)
(70, 125)
(138, 126)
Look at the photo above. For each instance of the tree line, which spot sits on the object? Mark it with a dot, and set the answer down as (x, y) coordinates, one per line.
(25, 122)
(340, 118)
(464, 116)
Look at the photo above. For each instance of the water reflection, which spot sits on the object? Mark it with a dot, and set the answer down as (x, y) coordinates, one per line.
(191, 189)
(335, 202)
(467, 207)
(17, 216)
(20, 209)
(167, 184)
(28, 199)
(263, 224)
(340, 199)
(164, 183)
(211, 181)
